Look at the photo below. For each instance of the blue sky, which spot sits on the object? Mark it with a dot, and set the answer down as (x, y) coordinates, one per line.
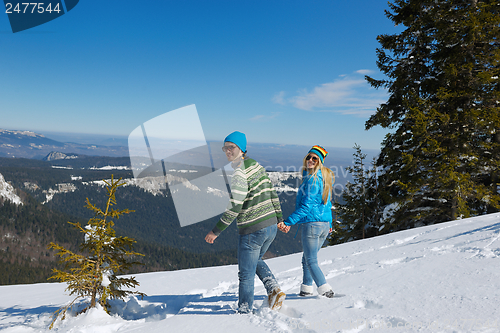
(286, 72)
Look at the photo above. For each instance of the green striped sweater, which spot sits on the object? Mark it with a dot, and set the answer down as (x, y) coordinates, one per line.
(254, 202)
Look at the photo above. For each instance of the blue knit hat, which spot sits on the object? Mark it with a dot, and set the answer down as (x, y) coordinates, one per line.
(238, 139)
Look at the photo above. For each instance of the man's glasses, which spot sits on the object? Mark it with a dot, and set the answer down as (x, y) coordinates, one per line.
(226, 148)
(314, 158)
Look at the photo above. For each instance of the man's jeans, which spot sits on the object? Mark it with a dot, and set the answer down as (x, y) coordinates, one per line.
(313, 237)
(251, 248)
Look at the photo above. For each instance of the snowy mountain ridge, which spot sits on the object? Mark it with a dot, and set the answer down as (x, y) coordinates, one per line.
(282, 182)
(8, 192)
(28, 144)
(21, 133)
(438, 278)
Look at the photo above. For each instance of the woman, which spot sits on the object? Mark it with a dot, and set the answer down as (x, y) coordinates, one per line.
(256, 207)
(313, 211)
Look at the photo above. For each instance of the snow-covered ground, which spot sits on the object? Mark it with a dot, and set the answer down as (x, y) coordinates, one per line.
(440, 278)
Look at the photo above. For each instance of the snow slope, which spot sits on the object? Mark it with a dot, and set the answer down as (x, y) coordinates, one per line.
(8, 192)
(440, 278)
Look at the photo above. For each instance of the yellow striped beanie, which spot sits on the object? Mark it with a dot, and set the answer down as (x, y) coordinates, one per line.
(320, 151)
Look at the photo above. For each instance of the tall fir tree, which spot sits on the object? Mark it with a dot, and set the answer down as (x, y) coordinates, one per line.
(442, 159)
(93, 274)
(359, 213)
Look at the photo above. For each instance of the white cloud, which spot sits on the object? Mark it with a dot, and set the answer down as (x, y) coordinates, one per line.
(349, 94)
(257, 117)
(365, 71)
(327, 94)
(279, 98)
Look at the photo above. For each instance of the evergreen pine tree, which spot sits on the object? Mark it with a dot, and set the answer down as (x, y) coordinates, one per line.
(374, 200)
(339, 233)
(359, 214)
(93, 274)
(442, 159)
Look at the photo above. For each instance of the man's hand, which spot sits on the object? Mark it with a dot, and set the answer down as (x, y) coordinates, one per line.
(210, 237)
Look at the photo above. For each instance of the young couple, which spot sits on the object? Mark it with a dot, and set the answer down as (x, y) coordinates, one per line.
(256, 207)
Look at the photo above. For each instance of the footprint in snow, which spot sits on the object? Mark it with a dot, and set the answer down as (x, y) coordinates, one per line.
(367, 304)
(290, 312)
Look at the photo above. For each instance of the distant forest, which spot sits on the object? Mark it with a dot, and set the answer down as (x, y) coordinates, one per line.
(26, 230)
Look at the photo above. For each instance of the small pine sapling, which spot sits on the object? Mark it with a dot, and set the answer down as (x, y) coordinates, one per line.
(93, 273)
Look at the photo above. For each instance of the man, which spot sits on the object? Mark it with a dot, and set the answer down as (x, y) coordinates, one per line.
(256, 207)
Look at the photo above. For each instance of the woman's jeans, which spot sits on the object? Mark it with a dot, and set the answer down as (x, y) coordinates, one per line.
(251, 248)
(313, 237)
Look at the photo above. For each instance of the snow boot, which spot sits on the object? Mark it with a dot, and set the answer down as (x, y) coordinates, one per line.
(306, 290)
(276, 298)
(325, 290)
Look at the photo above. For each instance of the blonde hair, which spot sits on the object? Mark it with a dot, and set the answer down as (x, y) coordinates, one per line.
(328, 176)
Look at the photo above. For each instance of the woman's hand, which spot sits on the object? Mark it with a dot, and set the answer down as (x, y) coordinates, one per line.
(283, 227)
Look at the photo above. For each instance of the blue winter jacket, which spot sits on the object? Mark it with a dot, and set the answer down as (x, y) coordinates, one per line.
(309, 206)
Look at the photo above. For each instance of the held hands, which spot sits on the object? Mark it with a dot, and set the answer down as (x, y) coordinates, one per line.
(283, 227)
(210, 237)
